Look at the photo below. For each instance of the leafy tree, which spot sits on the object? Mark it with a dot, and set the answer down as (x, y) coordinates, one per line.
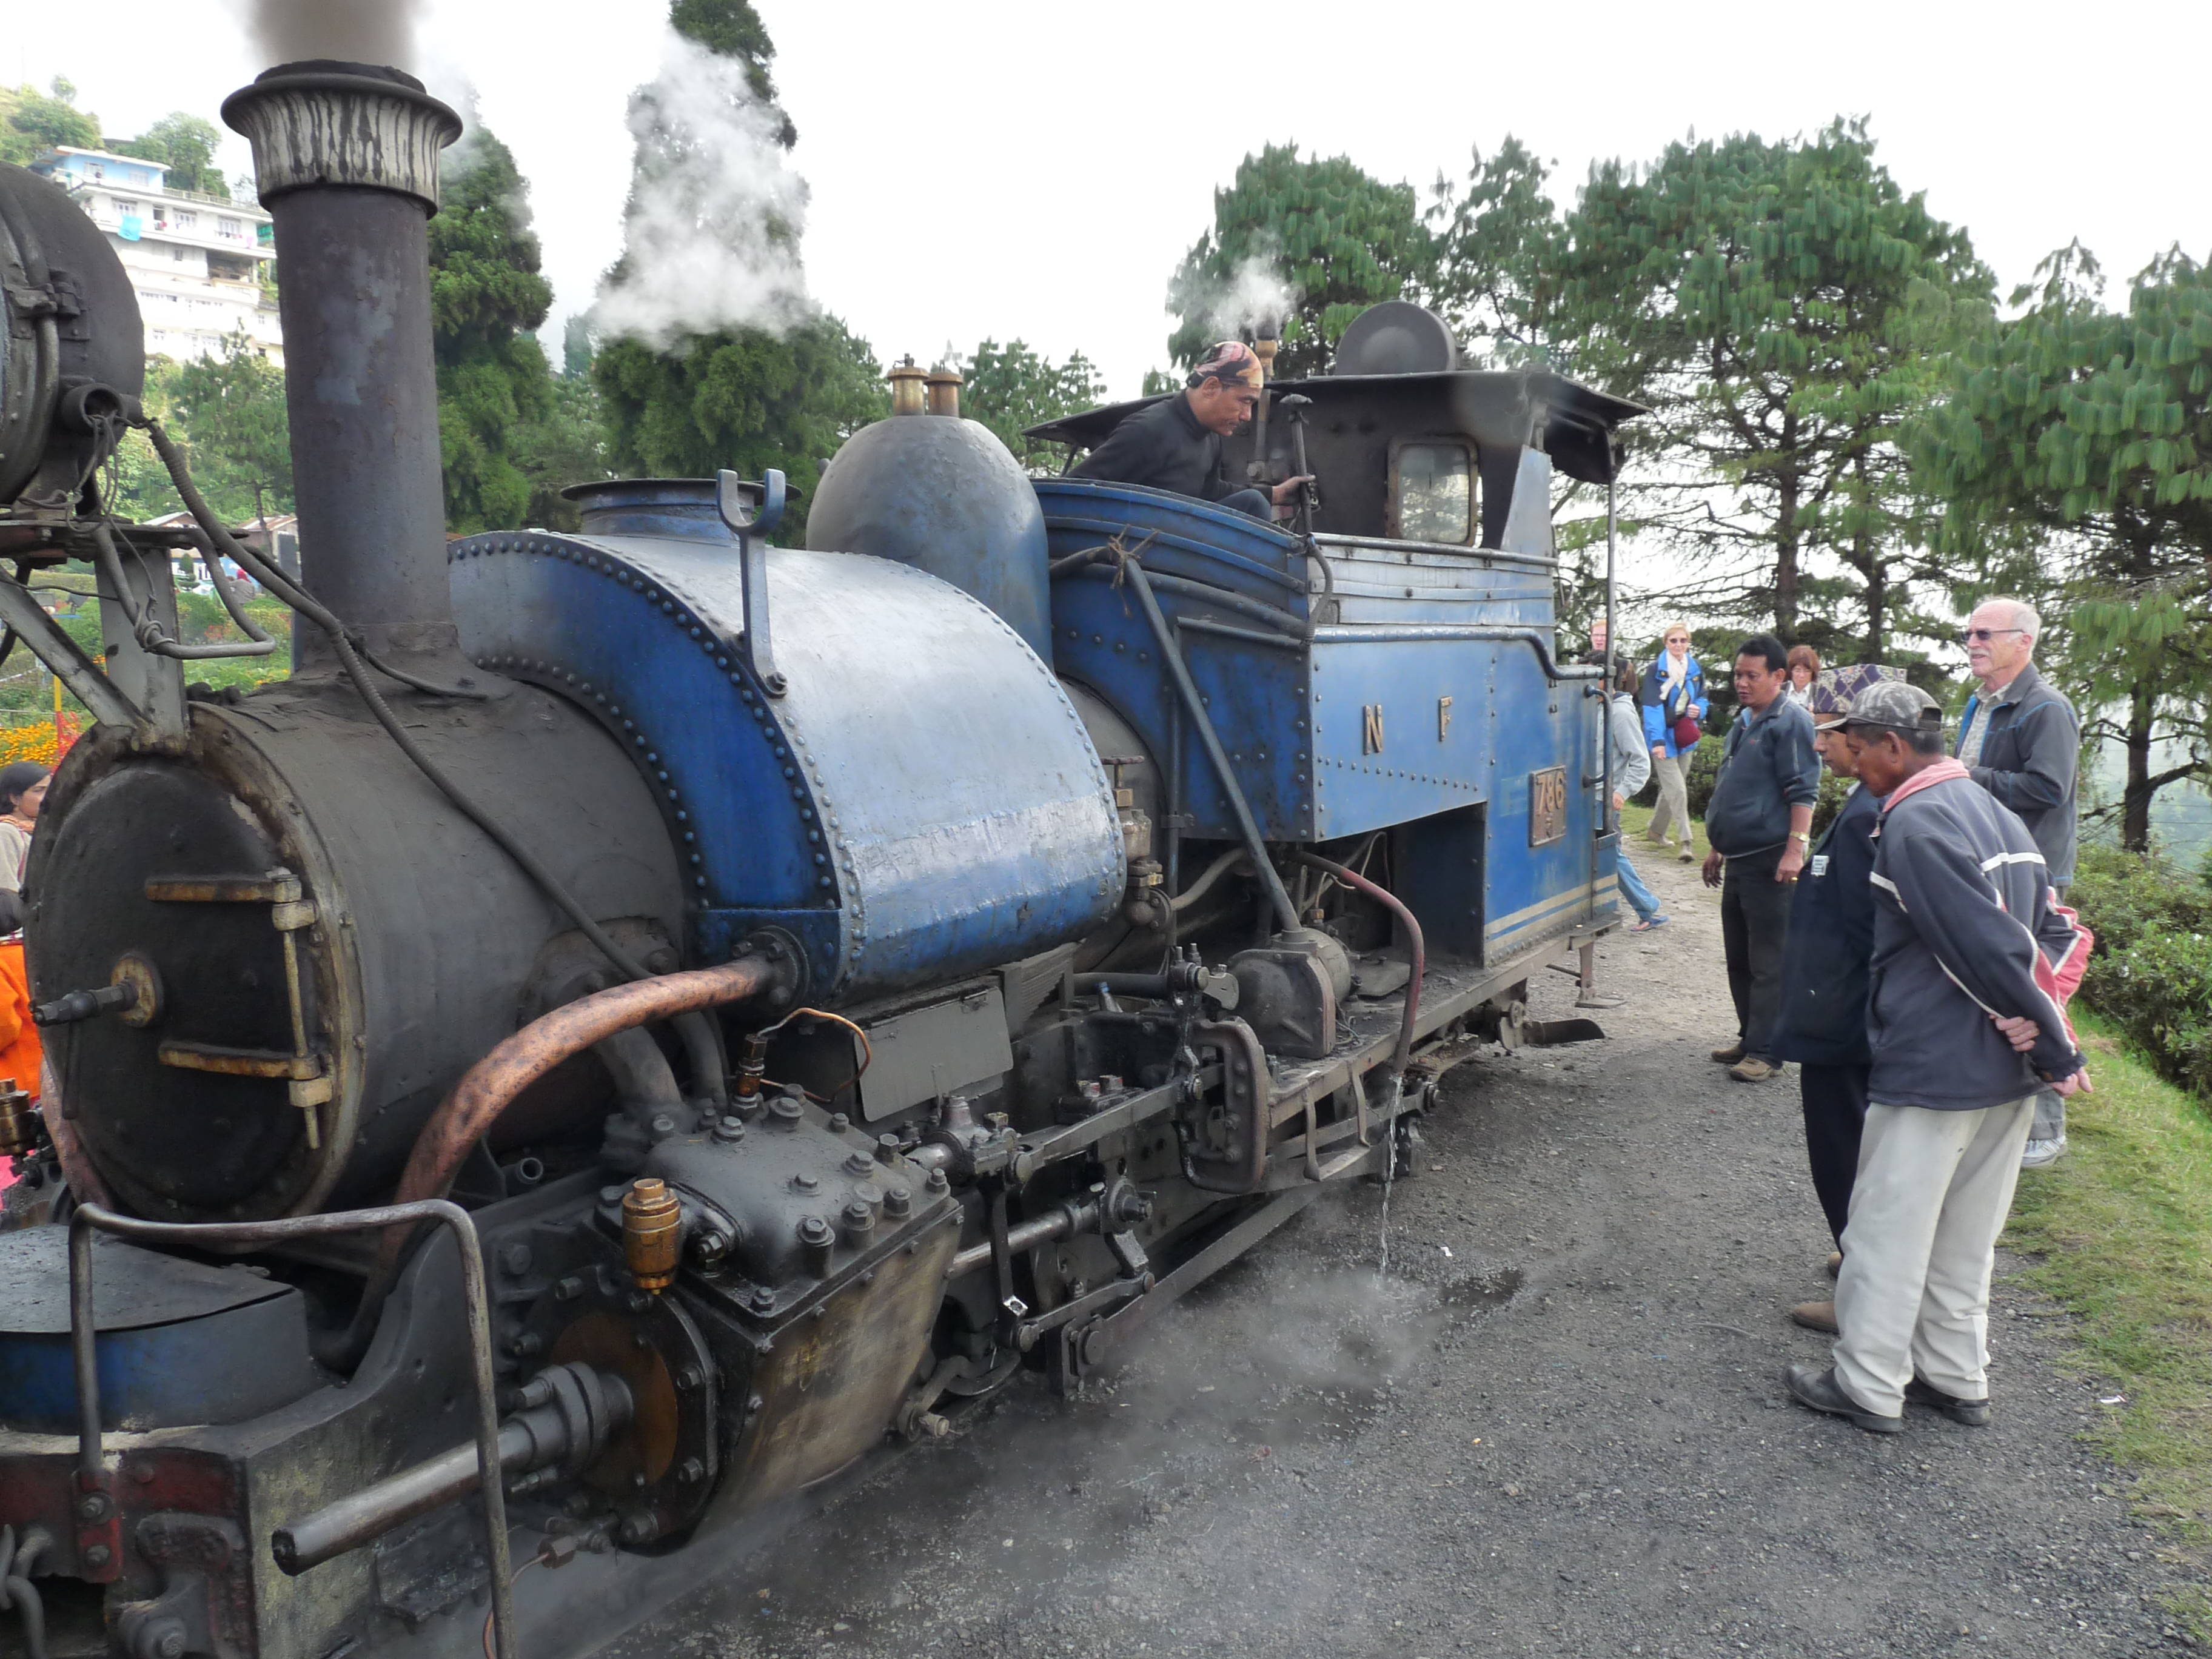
(183, 144)
(1313, 241)
(1010, 386)
(744, 398)
(32, 122)
(682, 392)
(229, 410)
(1782, 307)
(494, 388)
(2079, 440)
(1500, 256)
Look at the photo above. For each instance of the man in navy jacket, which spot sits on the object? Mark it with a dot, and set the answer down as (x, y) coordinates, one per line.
(1973, 961)
(1824, 974)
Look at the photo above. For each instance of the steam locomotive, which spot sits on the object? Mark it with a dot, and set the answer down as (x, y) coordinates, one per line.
(654, 1013)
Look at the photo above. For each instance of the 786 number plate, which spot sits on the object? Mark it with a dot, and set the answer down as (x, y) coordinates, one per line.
(1547, 806)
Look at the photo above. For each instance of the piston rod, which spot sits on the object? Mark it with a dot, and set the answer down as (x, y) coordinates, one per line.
(570, 1412)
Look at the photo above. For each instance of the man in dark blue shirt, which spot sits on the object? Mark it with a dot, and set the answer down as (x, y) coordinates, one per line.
(1176, 444)
(1824, 975)
(1760, 821)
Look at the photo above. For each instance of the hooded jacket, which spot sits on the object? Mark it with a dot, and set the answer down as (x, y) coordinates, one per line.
(1659, 721)
(1965, 926)
(2028, 760)
(1632, 760)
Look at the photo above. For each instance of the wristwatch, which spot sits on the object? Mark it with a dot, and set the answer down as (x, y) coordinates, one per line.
(1802, 837)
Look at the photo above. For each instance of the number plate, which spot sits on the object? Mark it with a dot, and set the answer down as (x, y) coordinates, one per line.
(1547, 806)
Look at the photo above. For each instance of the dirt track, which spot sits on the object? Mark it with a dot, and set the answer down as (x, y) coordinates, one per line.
(1556, 1429)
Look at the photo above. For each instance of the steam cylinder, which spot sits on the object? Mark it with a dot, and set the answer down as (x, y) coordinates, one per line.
(941, 494)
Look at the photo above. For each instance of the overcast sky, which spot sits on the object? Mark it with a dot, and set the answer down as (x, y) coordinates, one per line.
(1025, 171)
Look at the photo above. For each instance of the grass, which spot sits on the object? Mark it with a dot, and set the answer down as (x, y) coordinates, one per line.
(2120, 1233)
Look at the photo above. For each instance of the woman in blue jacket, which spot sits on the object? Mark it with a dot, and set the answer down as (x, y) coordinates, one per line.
(1673, 686)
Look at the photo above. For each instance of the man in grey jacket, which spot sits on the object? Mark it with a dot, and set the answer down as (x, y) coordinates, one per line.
(2020, 741)
(1973, 960)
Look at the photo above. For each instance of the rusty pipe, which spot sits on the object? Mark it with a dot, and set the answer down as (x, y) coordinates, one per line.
(489, 1087)
(491, 1084)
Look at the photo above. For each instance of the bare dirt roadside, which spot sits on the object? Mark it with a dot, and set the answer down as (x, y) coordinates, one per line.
(1556, 1429)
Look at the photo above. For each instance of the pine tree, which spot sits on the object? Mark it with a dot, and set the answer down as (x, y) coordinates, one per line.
(495, 386)
(1008, 387)
(714, 357)
(1310, 244)
(1781, 307)
(2074, 453)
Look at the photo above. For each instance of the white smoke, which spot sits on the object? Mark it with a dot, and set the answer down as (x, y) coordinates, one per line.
(1255, 293)
(354, 31)
(711, 228)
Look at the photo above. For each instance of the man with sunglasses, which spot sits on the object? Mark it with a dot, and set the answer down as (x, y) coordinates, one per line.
(2019, 740)
(1176, 444)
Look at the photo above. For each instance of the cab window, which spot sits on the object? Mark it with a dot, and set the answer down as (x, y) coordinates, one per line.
(1432, 496)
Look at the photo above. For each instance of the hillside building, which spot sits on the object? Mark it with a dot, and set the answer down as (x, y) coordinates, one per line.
(195, 260)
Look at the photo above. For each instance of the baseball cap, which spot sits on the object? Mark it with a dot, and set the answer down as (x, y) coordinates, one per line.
(1897, 706)
(1834, 688)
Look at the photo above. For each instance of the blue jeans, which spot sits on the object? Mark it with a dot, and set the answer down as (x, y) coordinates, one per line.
(1254, 502)
(1640, 898)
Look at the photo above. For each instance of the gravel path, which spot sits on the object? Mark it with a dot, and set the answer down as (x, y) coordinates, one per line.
(1556, 1430)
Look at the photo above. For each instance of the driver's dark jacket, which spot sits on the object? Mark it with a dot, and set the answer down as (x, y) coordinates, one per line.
(1161, 447)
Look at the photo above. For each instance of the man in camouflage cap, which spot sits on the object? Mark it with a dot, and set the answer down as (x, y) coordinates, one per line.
(1973, 961)
(1823, 1025)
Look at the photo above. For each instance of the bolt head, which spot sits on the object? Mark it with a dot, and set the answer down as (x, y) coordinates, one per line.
(93, 1506)
(691, 1471)
(97, 1556)
(663, 1126)
(937, 1182)
(636, 1530)
(763, 1298)
(515, 1258)
(169, 1644)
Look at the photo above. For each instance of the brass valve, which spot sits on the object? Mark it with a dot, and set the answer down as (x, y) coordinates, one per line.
(653, 1233)
(18, 1121)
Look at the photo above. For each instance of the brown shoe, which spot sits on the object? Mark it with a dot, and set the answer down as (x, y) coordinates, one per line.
(1729, 1055)
(1687, 856)
(1835, 1263)
(1816, 1316)
(1752, 1069)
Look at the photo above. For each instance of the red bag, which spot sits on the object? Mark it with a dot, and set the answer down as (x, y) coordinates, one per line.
(1685, 730)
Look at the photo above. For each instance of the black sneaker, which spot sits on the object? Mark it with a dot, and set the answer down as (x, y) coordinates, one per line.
(1820, 1390)
(1974, 1413)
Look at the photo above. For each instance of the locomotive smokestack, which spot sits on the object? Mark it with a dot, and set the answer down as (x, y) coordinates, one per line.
(346, 159)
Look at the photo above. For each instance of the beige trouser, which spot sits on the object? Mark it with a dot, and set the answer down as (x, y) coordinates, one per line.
(1674, 801)
(1931, 1196)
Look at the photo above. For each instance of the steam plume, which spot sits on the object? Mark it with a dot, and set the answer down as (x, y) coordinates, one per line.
(711, 228)
(1254, 292)
(354, 31)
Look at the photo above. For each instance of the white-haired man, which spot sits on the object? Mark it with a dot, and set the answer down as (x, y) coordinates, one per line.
(2020, 741)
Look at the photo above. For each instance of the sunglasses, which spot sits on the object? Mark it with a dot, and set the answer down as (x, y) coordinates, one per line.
(1983, 635)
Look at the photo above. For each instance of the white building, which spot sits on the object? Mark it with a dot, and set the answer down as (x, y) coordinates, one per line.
(193, 259)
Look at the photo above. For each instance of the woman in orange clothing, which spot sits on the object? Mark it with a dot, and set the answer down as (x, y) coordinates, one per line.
(22, 788)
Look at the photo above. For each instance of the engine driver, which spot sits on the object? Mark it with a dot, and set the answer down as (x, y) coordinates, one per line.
(1175, 445)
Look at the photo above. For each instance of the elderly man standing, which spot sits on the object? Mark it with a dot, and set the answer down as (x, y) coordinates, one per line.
(1759, 822)
(2019, 740)
(1972, 964)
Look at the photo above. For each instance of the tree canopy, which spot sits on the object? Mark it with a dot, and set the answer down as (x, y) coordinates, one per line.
(2073, 454)
(496, 393)
(1311, 242)
(185, 144)
(713, 355)
(33, 122)
(1008, 387)
(1782, 307)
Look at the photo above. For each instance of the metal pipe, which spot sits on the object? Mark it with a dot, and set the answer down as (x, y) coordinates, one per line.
(84, 1353)
(491, 1084)
(1062, 1221)
(531, 1439)
(1192, 701)
(1212, 873)
(346, 159)
(710, 1061)
(1611, 646)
